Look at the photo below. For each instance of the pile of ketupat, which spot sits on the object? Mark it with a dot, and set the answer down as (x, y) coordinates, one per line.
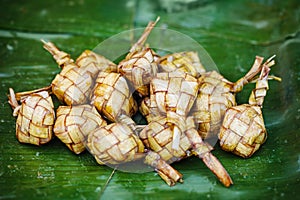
(183, 104)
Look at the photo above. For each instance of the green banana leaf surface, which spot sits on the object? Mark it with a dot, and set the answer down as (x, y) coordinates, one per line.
(232, 32)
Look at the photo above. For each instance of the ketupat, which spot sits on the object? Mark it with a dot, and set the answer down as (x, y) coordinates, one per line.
(174, 91)
(112, 96)
(74, 83)
(170, 91)
(74, 123)
(35, 115)
(139, 65)
(243, 129)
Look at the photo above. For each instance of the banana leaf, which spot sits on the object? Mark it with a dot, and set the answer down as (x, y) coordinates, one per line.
(232, 32)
